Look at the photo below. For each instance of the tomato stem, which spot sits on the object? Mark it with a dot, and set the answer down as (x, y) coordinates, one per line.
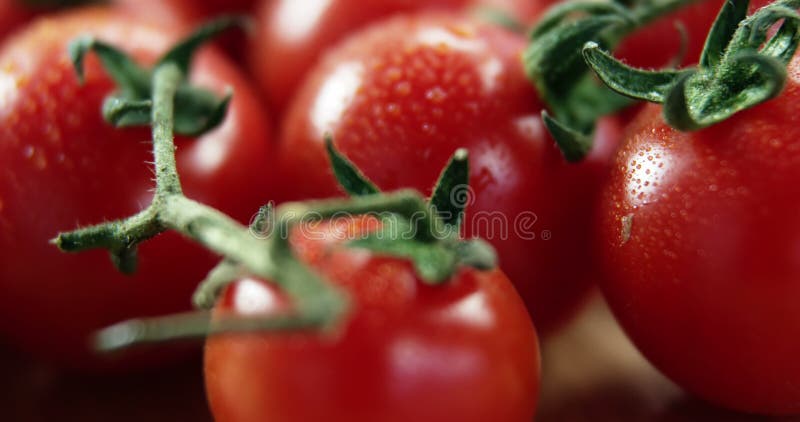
(263, 250)
(740, 67)
(194, 325)
(554, 64)
(166, 79)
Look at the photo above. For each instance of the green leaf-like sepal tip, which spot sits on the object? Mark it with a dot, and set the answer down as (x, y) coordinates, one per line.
(739, 67)
(635, 83)
(574, 144)
(575, 100)
(197, 110)
(553, 63)
(451, 193)
(350, 177)
(722, 32)
(433, 247)
(132, 80)
(183, 52)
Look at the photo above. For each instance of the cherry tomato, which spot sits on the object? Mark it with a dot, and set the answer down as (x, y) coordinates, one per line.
(402, 96)
(701, 245)
(464, 351)
(659, 43)
(62, 166)
(291, 35)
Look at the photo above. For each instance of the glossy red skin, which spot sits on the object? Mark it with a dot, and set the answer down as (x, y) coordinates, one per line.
(659, 43)
(707, 284)
(61, 166)
(414, 104)
(406, 351)
(292, 35)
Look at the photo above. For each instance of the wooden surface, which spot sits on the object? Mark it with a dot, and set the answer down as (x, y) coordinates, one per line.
(591, 373)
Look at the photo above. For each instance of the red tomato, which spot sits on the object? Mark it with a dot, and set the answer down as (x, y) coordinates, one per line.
(12, 15)
(701, 244)
(402, 96)
(194, 12)
(292, 35)
(62, 166)
(407, 351)
(658, 43)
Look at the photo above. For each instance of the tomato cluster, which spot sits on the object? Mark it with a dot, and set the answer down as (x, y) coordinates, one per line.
(690, 234)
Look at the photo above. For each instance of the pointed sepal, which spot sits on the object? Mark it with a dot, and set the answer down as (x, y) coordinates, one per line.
(634, 83)
(451, 194)
(721, 33)
(350, 178)
(132, 80)
(183, 52)
(573, 143)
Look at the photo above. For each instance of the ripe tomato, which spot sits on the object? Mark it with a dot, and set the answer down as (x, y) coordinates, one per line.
(169, 11)
(464, 351)
(655, 45)
(402, 96)
(12, 15)
(701, 244)
(62, 166)
(291, 35)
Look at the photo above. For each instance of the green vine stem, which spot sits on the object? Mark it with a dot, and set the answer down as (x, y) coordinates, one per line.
(318, 304)
(169, 209)
(739, 68)
(553, 62)
(262, 250)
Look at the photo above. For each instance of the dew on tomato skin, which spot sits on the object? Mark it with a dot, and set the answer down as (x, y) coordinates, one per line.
(393, 109)
(394, 73)
(27, 151)
(436, 95)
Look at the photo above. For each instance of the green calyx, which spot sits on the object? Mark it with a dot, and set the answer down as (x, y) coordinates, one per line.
(740, 67)
(196, 110)
(430, 236)
(553, 62)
